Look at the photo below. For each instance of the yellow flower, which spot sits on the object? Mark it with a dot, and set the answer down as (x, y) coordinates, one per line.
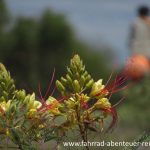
(97, 87)
(36, 105)
(41, 126)
(71, 103)
(84, 97)
(31, 113)
(5, 105)
(53, 105)
(55, 111)
(33, 108)
(32, 103)
(51, 100)
(102, 103)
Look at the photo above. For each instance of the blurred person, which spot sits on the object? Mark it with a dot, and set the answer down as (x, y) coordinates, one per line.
(139, 39)
(139, 44)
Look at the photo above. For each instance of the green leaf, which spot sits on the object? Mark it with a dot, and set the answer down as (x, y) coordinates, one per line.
(92, 129)
(50, 137)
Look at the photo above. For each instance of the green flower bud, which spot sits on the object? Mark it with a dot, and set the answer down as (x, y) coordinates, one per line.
(77, 75)
(2, 99)
(85, 74)
(82, 69)
(69, 78)
(88, 78)
(20, 94)
(59, 86)
(3, 85)
(31, 99)
(64, 81)
(26, 100)
(69, 72)
(82, 80)
(31, 103)
(12, 88)
(2, 68)
(76, 86)
(5, 94)
(89, 84)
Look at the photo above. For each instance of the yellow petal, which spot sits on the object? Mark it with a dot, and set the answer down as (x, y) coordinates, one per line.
(102, 103)
(50, 100)
(37, 104)
(97, 87)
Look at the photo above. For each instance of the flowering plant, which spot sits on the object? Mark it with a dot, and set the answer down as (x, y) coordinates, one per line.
(20, 120)
(84, 105)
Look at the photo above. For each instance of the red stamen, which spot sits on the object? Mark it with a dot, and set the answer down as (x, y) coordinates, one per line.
(114, 115)
(118, 102)
(41, 97)
(114, 86)
(53, 91)
(49, 86)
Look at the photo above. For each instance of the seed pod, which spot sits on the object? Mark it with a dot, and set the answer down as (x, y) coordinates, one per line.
(76, 86)
(59, 86)
(89, 84)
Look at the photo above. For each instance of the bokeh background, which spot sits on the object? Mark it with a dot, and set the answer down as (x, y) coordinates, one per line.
(37, 36)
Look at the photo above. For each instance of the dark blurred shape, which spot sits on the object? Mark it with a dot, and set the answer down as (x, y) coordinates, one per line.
(139, 36)
(3, 14)
(143, 11)
(139, 44)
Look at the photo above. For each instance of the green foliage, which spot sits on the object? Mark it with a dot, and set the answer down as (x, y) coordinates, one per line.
(7, 86)
(20, 120)
(77, 78)
(3, 14)
(142, 138)
(137, 105)
(82, 108)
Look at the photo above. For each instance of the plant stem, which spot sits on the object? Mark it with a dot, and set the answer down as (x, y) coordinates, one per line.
(82, 131)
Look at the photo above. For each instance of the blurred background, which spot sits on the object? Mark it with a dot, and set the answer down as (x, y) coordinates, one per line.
(38, 36)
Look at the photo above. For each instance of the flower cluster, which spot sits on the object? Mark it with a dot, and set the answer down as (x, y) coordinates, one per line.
(21, 122)
(83, 104)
